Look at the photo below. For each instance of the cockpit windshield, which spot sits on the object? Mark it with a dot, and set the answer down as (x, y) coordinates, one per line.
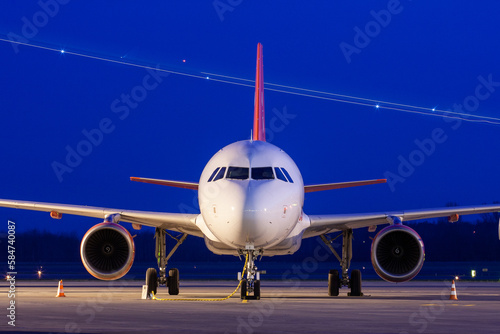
(237, 173)
(220, 174)
(262, 173)
(213, 174)
(287, 175)
(257, 173)
(279, 174)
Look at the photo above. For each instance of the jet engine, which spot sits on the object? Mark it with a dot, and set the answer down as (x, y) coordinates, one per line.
(107, 251)
(397, 253)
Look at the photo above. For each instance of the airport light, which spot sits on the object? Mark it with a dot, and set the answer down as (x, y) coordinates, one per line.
(39, 273)
(456, 278)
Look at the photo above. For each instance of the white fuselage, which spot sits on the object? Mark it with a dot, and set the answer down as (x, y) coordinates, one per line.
(251, 194)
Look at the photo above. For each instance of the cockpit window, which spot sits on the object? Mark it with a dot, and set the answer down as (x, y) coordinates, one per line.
(262, 173)
(220, 174)
(279, 174)
(237, 173)
(287, 175)
(213, 174)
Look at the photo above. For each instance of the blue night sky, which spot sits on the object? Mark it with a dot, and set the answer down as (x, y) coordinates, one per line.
(429, 54)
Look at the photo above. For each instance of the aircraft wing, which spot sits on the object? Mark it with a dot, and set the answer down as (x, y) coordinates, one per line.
(321, 224)
(180, 222)
(170, 183)
(340, 185)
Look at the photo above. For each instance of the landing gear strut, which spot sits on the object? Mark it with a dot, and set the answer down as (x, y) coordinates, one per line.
(172, 280)
(335, 282)
(250, 286)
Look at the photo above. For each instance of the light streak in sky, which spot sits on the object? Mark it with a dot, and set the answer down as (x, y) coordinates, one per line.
(378, 104)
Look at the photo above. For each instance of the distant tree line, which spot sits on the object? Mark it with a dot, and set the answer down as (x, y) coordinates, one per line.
(444, 241)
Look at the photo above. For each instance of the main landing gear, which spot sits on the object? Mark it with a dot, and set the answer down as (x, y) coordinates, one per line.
(172, 280)
(250, 286)
(336, 281)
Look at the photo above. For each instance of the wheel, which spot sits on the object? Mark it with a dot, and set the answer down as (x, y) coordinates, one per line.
(173, 281)
(243, 288)
(152, 280)
(355, 283)
(256, 289)
(333, 283)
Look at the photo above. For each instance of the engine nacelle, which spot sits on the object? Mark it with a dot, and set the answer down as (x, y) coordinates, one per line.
(107, 251)
(397, 253)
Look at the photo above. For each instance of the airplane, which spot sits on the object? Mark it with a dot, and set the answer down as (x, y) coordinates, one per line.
(251, 197)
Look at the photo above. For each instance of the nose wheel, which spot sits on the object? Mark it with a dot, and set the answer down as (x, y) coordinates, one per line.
(250, 286)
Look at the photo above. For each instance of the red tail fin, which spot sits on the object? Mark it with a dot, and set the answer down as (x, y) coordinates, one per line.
(259, 123)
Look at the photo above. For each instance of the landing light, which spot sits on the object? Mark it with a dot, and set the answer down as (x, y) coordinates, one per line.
(62, 51)
(456, 278)
(473, 273)
(377, 106)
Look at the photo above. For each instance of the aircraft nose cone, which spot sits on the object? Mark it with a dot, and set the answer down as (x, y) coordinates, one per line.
(250, 217)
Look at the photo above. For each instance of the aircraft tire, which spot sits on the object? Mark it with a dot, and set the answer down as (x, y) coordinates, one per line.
(333, 283)
(152, 280)
(173, 281)
(256, 289)
(355, 283)
(243, 289)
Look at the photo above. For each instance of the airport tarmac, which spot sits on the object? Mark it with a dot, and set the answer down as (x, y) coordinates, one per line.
(285, 307)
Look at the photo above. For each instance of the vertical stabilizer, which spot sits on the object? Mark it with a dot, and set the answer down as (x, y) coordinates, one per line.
(259, 119)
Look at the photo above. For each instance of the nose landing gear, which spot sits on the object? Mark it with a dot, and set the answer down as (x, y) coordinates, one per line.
(250, 286)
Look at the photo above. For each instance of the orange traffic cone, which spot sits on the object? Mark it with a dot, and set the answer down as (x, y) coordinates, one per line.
(60, 290)
(453, 294)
